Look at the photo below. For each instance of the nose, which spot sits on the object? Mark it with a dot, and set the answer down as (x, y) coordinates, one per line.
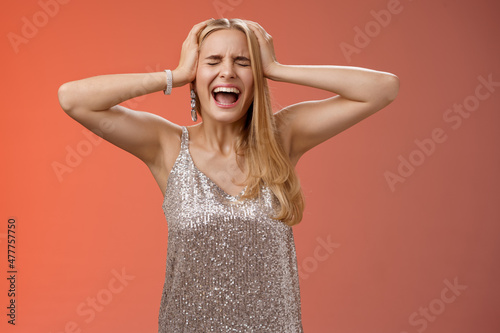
(227, 70)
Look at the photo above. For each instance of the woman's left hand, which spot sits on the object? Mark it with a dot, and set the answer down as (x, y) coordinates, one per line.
(267, 54)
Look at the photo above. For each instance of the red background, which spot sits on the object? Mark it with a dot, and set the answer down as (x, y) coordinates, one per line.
(395, 246)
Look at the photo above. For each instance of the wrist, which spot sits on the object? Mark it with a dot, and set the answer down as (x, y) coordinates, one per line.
(273, 72)
(168, 88)
(178, 78)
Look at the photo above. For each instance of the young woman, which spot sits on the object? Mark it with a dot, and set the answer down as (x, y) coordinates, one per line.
(231, 195)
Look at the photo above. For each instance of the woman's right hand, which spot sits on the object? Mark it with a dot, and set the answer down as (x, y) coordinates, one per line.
(186, 70)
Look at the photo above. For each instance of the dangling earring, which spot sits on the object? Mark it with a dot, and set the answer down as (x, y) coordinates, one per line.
(194, 116)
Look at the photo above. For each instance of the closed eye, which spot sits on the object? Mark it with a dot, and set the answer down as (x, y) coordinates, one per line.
(215, 59)
(215, 63)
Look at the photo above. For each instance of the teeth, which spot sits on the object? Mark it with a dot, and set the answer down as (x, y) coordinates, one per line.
(227, 89)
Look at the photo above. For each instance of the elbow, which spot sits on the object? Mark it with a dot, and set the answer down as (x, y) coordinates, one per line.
(387, 88)
(391, 88)
(64, 94)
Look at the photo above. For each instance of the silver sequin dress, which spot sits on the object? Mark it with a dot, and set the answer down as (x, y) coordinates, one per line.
(230, 267)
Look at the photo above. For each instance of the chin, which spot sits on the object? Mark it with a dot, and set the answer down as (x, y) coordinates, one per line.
(228, 117)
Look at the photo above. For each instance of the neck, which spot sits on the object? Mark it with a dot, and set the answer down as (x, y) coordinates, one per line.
(220, 137)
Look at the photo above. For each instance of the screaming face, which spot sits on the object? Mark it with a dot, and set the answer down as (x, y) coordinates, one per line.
(224, 79)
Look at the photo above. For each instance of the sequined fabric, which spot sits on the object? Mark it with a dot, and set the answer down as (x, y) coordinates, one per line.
(230, 267)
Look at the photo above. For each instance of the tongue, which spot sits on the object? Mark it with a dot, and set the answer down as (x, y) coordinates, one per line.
(226, 98)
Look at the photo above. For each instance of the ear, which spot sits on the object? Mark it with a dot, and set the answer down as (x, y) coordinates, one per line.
(192, 86)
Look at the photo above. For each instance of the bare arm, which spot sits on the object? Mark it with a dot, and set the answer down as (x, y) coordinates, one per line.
(93, 102)
(100, 93)
(353, 83)
(360, 93)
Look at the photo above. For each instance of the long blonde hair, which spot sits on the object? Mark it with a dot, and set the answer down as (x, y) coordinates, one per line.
(266, 160)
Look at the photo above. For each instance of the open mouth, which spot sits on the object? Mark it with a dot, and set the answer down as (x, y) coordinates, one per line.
(226, 96)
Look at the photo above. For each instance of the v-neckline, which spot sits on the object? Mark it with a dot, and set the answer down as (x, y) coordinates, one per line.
(205, 175)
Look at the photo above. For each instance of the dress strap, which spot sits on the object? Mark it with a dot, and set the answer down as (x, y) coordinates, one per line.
(184, 139)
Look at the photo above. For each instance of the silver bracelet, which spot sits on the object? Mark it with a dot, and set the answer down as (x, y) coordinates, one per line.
(169, 82)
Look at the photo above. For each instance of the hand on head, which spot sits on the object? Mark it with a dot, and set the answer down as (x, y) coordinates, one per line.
(186, 70)
(266, 45)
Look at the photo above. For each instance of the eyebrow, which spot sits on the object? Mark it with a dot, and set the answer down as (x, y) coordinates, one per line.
(219, 57)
